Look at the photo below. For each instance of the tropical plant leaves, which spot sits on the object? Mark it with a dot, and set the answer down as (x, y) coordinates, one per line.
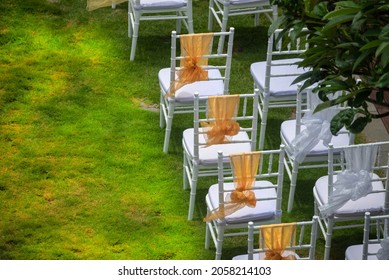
(383, 81)
(343, 118)
(358, 125)
(349, 52)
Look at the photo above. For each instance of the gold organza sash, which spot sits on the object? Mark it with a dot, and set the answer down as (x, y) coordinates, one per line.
(96, 4)
(277, 238)
(193, 48)
(222, 109)
(245, 167)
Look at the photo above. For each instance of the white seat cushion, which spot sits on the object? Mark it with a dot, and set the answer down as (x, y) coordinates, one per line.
(288, 133)
(261, 256)
(279, 86)
(186, 93)
(160, 4)
(208, 155)
(264, 210)
(240, 2)
(354, 252)
(373, 203)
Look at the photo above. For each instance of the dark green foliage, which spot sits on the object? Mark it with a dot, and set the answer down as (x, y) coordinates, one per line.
(349, 52)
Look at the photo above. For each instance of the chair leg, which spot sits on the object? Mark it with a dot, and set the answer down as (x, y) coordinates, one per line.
(219, 242)
(135, 32)
(184, 169)
(193, 189)
(207, 236)
(328, 239)
(262, 131)
(168, 128)
(130, 21)
(178, 25)
(190, 23)
(207, 232)
(256, 19)
(162, 109)
(292, 188)
(275, 12)
(224, 28)
(316, 208)
(210, 15)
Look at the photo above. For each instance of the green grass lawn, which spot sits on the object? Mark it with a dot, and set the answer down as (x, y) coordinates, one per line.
(82, 172)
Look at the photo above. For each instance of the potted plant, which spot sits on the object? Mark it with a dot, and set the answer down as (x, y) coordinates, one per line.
(349, 52)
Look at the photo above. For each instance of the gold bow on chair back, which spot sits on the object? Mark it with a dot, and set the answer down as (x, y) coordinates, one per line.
(193, 48)
(245, 167)
(276, 238)
(222, 109)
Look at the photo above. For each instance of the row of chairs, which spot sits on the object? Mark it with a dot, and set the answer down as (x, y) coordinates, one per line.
(272, 89)
(272, 81)
(267, 188)
(195, 66)
(352, 169)
(232, 205)
(272, 78)
(200, 158)
(182, 12)
(357, 182)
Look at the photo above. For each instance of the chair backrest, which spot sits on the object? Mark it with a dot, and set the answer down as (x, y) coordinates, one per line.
(355, 171)
(270, 169)
(284, 43)
(375, 231)
(244, 7)
(283, 51)
(246, 116)
(302, 241)
(159, 7)
(157, 10)
(307, 104)
(215, 60)
(222, 10)
(316, 128)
